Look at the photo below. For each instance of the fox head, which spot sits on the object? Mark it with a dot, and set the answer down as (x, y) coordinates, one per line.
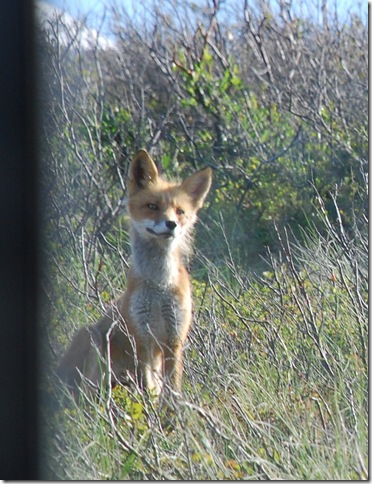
(161, 210)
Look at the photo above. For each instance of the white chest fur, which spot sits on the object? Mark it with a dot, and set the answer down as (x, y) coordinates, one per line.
(157, 313)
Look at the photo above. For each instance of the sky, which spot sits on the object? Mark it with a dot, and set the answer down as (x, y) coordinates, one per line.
(82, 7)
(93, 8)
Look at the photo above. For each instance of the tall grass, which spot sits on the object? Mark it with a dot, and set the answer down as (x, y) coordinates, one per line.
(275, 380)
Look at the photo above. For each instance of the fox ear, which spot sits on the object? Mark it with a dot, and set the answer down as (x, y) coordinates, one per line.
(142, 171)
(197, 186)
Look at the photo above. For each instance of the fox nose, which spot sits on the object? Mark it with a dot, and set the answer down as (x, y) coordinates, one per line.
(170, 224)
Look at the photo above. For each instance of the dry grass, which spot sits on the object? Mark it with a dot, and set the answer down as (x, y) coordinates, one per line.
(275, 379)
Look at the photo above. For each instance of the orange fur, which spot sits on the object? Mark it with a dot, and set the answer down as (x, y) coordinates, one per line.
(147, 327)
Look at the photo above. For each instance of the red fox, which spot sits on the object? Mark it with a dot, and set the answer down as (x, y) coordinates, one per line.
(146, 328)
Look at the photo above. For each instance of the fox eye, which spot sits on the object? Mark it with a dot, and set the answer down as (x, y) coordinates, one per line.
(180, 211)
(152, 206)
